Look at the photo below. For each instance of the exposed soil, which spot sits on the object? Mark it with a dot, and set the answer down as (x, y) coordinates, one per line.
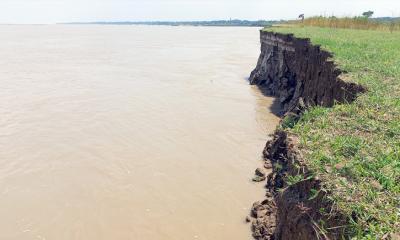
(299, 75)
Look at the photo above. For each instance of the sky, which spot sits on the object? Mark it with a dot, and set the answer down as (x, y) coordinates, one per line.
(57, 11)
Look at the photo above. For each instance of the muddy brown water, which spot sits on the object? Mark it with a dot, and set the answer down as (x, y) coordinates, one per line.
(129, 132)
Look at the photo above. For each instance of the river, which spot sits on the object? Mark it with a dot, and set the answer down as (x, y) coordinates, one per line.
(129, 132)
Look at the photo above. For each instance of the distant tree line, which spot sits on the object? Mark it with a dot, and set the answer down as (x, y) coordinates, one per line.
(221, 23)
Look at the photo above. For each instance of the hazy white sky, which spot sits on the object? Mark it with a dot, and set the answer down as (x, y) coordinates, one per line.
(52, 11)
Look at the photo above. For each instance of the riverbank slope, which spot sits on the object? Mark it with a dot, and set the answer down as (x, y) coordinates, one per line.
(335, 157)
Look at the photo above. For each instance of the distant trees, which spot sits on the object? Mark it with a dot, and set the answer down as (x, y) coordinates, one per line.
(301, 16)
(368, 14)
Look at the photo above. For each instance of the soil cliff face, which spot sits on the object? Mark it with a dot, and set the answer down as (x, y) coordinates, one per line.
(300, 75)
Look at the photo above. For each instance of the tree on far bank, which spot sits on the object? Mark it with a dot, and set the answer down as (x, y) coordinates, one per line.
(301, 16)
(368, 14)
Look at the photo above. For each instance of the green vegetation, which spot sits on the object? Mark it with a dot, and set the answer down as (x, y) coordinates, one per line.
(355, 147)
(361, 22)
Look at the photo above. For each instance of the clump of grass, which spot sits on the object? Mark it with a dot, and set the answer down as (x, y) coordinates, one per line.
(355, 148)
(351, 23)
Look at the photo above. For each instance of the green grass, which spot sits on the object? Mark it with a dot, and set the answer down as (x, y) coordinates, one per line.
(355, 147)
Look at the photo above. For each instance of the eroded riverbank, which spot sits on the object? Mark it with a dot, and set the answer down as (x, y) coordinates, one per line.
(301, 75)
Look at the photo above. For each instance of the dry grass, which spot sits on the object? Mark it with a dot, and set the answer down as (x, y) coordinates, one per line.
(350, 23)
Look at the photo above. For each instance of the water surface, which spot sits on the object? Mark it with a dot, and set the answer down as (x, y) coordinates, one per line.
(129, 132)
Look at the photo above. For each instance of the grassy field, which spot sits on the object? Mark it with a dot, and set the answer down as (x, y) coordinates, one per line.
(355, 147)
(351, 23)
